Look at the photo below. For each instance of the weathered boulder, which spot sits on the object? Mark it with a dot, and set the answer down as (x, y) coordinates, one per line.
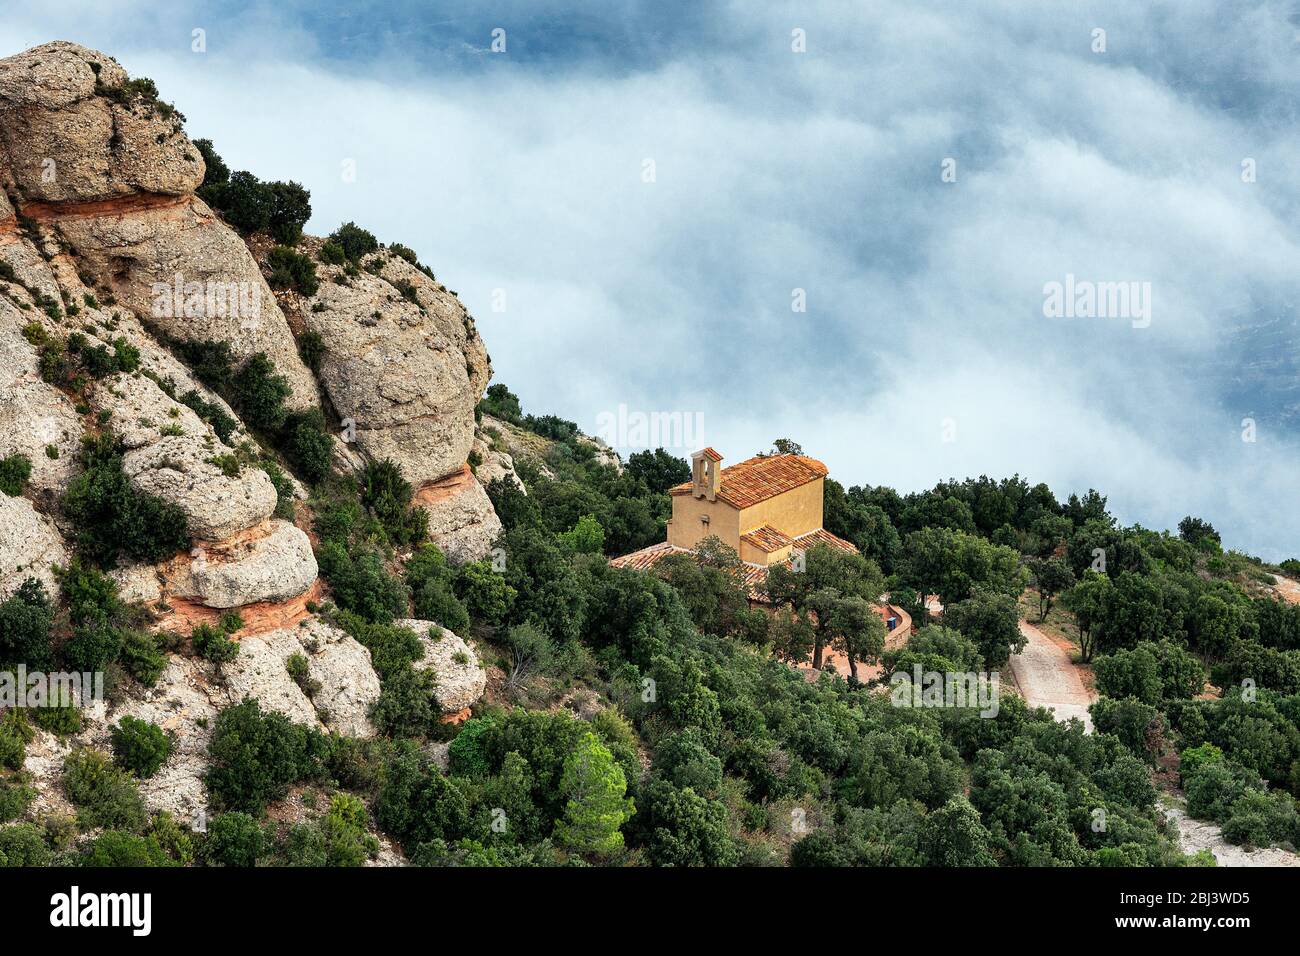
(402, 363)
(30, 547)
(184, 702)
(272, 562)
(493, 464)
(72, 129)
(173, 454)
(137, 583)
(348, 686)
(460, 678)
(193, 279)
(36, 420)
(462, 521)
(217, 504)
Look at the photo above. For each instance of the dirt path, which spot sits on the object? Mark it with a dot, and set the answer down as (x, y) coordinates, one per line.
(1198, 835)
(1048, 678)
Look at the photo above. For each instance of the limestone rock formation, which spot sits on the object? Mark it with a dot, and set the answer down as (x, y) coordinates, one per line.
(184, 702)
(73, 129)
(30, 547)
(35, 420)
(493, 464)
(460, 678)
(174, 455)
(402, 364)
(462, 521)
(272, 562)
(348, 686)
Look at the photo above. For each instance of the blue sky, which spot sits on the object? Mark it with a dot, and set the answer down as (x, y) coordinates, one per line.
(523, 171)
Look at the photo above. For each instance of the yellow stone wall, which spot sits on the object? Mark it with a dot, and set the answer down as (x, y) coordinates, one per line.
(797, 511)
(686, 530)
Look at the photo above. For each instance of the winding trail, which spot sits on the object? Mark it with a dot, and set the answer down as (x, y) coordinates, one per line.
(1048, 678)
(1197, 835)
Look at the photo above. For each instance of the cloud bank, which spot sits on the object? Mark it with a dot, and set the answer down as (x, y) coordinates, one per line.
(525, 173)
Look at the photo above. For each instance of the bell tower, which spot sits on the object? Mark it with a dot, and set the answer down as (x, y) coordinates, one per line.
(706, 474)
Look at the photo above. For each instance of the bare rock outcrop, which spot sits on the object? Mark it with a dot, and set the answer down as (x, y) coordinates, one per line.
(174, 455)
(30, 547)
(493, 464)
(347, 684)
(184, 702)
(460, 678)
(272, 562)
(191, 276)
(36, 421)
(73, 129)
(402, 363)
(462, 521)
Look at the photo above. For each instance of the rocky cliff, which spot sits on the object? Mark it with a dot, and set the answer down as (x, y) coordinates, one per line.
(114, 276)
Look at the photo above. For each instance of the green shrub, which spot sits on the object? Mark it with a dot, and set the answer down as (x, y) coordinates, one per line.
(139, 746)
(61, 716)
(25, 620)
(354, 241)
(388, 497)
(300, 670)
(14, 472)
(103, 794)
(213, 644)
(430, 579)
(251, 206)
(292, 270)
(484, 592)
(331, 253)
(212, 413)
(15, 735)
(308, 445)
(234, 839)
(111, 518)
(361, 583)
(142, 657)
(114, 848)
(285, 504)
(311, 346)
(407, 705)
(15, 796)
(23, 844)
(347, 841)
(259, 392)
(254, 757)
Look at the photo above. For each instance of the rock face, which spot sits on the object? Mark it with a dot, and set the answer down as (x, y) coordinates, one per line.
(148, 251)
(70, 130)
(493, 464)
(175, 455)
(348, 685)
(35, 420)
(30, 547)
(461, 519)
(460, 677)
(273, 562)
(402, 363)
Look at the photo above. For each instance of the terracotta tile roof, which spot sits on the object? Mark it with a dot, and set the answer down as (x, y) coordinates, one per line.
(754, 575)
(757, 479)
(647, 558)
(709, 453)
(822, 536)
(766, 538)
